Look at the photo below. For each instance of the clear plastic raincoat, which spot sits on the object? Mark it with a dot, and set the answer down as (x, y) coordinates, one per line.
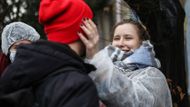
(131, 81)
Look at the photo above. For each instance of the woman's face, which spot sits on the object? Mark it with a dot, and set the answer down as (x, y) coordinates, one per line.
(126, 37)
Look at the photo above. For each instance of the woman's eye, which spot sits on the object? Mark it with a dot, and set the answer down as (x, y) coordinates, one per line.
(116, 38)
(128, 38)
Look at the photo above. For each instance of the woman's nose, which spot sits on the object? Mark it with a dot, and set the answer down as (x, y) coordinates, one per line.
(122, 45)
(121, 42)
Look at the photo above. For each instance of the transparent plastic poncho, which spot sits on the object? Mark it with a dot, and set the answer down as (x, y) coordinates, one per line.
(145, 87)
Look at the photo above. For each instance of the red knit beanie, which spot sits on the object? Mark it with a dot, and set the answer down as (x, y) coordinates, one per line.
(62, 19)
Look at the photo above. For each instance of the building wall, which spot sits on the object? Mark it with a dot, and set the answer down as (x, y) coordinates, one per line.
(104, 20)
(187, 40)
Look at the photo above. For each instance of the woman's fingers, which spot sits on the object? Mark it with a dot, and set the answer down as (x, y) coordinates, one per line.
(91, 37)
(90, 29)
(83, 38)
(91, 48)
(87, 31)
(92, 24)
(88, 24)
(90, 44)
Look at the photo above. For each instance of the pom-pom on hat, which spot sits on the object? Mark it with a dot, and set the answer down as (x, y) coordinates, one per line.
(62, 19)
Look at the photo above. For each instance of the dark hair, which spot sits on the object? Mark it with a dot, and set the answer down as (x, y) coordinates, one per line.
(143, 33)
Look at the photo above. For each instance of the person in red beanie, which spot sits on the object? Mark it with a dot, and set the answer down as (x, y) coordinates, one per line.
(53, 69)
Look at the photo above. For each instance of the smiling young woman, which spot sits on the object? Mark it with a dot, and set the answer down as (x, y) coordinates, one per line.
(127, 73)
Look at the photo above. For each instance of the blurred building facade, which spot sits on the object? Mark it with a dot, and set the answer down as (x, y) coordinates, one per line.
(187, 39)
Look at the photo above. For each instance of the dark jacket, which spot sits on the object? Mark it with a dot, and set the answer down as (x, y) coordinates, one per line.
(58, 76)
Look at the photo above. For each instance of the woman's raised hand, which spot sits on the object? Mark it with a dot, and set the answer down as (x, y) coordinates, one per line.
(90, 38)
